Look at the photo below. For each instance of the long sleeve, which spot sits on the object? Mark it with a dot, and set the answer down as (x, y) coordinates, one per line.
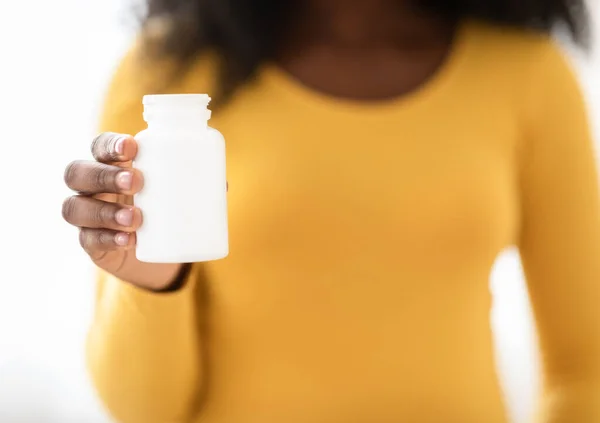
(560, 240)
(143, 351)
(143, 348)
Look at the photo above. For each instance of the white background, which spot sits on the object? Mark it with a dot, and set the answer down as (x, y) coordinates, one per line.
(55, 59)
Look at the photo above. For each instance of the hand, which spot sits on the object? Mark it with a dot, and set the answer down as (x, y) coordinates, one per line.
(104, 212)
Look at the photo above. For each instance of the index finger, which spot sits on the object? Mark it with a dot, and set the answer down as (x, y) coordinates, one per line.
(110, 147)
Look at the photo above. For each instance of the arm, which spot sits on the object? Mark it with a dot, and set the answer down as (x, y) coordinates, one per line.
(560, 241)
(143, 348)
(143, 351)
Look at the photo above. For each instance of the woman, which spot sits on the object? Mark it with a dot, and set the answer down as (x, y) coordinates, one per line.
(380, 156)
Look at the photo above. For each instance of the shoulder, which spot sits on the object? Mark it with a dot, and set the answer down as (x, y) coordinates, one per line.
(520, 52)
(136, 75)
(528, 70)
(536, 76)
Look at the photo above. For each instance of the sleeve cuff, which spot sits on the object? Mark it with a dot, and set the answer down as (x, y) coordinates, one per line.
(179, 282)
(126, 296)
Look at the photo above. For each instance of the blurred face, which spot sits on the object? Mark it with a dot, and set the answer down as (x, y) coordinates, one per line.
(359, 18)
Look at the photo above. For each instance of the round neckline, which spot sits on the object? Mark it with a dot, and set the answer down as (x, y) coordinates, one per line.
(291, 87)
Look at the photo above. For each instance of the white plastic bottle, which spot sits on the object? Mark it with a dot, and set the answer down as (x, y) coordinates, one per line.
(184, 198)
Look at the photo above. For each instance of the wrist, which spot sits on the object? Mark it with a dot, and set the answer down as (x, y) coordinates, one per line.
(154, 277)
(178, 281)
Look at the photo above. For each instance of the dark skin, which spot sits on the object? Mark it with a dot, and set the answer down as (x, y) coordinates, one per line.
(360, 49)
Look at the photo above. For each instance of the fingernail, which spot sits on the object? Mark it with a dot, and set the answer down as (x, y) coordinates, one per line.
(120, 146)
(122, 239)
(124, 180)
(124, 217)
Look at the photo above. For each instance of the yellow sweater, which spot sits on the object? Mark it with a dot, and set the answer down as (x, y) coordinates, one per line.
(362, 237)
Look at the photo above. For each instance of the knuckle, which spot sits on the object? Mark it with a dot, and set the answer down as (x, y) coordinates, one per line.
(105, 238)
(84, 239)
(101, 178)
(107, 147)
(88, 239)
(103, 146)
(68, 208)
(97, 144)
(92, 239)
(103, 213)
(71, 173)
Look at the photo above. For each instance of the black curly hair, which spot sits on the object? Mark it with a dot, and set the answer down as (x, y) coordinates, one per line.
(244, 33)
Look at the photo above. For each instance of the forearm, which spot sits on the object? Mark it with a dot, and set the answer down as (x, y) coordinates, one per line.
(143, 351)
